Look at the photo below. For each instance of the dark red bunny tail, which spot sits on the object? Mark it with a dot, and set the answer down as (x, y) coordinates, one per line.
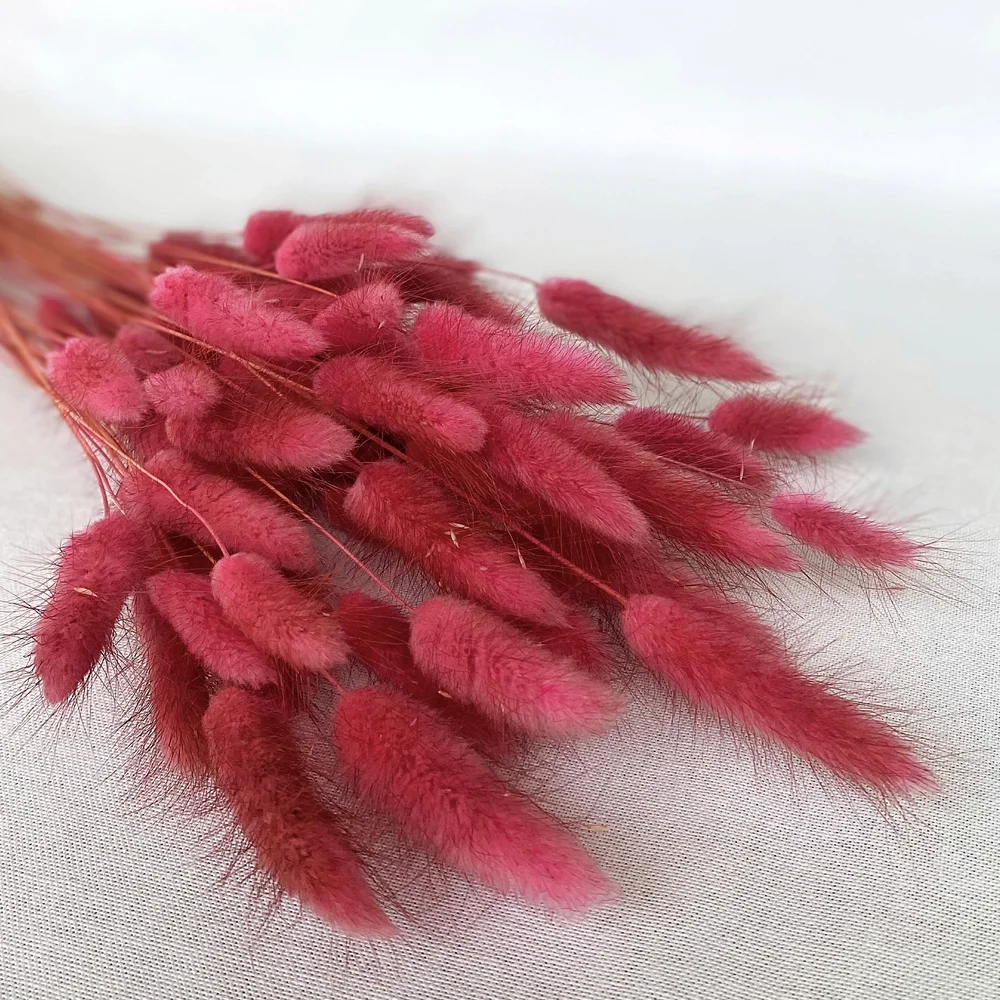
(843, 535)
(718, 656)
(645, 337)
(98, 568)
(296, 840)
(407, 762)
(784, 426)
(481, 660)
(278, 617)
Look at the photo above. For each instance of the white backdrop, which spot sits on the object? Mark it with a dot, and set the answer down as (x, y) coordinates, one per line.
(823, 182)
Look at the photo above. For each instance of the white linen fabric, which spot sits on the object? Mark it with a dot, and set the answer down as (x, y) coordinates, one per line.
(741, 879)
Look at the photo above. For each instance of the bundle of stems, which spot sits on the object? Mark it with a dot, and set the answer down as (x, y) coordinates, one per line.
(345, 480)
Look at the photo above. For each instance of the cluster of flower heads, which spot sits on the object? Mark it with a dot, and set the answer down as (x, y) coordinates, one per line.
(353, 476)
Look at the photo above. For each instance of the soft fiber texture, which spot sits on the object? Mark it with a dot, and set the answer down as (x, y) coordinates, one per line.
(643, 336)
(230, 317)
(97, 568)
(297, 840)
(277, 616)
(480, 660)
(408, 511)
(381, 393)
(185, 601)
(99, 378)
(407, 762)
(237, 517)
(467, 350)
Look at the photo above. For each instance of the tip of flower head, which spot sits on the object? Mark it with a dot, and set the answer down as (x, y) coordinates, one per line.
(457, 426)
(381, 392)
(484, 661)
(843, 535)
(782, 425)
(265, 230)
(684, 442)
(720, 656)
(297, 839)
(272, 433)
(187, 389)
(565, 474)
(407, 762)
(364, 921)
(507, 360)
(97, 569)
(169, 293)
(729, 362)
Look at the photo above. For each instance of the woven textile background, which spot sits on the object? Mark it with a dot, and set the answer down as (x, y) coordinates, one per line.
(738, 882)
